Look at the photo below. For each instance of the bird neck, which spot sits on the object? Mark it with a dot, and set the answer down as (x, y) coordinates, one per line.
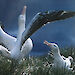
(56, 53)
(21, 24)
(21, 30)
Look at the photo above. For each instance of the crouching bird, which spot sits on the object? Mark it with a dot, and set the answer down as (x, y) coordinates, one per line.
(59, 61)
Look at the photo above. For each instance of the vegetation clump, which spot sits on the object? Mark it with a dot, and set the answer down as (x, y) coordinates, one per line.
(41, 65)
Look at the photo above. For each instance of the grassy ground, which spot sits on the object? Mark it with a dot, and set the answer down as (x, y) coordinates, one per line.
(35, 65)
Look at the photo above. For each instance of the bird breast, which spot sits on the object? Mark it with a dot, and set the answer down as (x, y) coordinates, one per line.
(27, 47)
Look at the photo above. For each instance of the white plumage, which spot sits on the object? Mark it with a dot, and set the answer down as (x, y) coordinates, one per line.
(59, 61)
(17, 48)
(11, 44)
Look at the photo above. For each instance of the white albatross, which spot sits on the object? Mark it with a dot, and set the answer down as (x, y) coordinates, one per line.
(59, 61)
(11, 44)
(17, 48)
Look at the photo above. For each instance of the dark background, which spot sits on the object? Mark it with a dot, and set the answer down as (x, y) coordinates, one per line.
(61, 32)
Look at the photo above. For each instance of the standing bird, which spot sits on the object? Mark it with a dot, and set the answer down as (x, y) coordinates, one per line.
(60, 62)
(16, 52)
(19, 47)
(9, 45)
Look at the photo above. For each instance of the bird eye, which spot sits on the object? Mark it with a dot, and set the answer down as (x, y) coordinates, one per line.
(54, 45)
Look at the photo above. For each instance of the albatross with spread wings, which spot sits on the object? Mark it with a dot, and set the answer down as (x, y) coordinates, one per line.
(17, 48)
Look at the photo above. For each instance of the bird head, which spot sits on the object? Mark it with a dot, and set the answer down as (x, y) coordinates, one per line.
(22, 16)
(54, 47)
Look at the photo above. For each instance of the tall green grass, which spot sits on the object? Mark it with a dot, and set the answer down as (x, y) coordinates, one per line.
(41, 65)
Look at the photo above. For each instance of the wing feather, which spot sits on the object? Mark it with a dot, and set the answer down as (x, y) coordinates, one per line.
(41, 19)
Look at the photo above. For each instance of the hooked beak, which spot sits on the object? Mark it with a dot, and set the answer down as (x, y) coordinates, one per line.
(24, 10)
(47, 43)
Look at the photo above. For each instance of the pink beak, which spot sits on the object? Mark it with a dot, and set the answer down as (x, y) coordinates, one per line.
(47, 43)
(24, 10)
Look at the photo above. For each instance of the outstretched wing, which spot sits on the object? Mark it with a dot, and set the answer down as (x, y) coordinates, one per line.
(6, 40)
(4, 51)
(41, 19)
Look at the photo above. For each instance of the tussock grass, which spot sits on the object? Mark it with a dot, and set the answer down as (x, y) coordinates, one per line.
(35, 65)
